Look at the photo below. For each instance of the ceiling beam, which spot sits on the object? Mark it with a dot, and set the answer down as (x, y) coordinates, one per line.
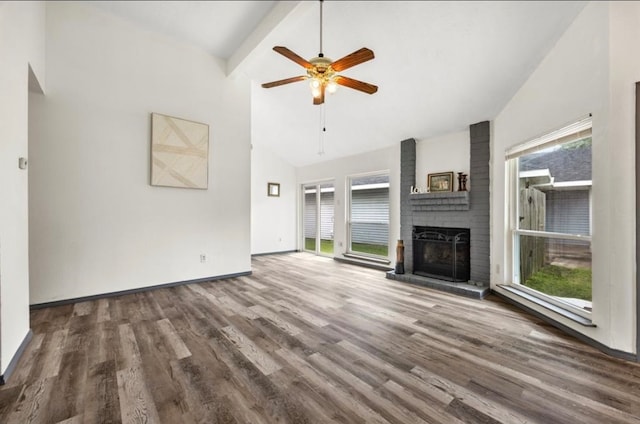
(263, 34)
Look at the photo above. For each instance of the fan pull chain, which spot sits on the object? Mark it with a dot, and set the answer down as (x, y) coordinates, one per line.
(323, 129)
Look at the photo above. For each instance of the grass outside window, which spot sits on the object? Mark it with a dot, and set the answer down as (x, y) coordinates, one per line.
(370, 249)
(326, 247)
(561, 281)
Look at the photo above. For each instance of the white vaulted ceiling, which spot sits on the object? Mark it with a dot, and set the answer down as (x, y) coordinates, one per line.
(219, 27)
(439, 66)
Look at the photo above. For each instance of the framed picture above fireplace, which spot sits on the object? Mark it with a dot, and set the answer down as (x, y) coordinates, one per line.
(442, 181)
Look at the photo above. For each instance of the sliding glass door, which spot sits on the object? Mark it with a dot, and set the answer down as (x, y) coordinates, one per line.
(318, 218)
(310, 217)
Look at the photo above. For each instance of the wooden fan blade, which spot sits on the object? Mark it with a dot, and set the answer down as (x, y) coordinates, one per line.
(292, 56)
(283, 81)
(355, 84)
(319, 100)
(352, 59)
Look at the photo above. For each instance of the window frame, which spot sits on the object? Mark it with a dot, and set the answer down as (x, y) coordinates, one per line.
(512, 156)
(317, 187)
(348, 215)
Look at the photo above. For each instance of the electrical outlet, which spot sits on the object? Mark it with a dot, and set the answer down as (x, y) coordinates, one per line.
(203, 257)
(497, 268)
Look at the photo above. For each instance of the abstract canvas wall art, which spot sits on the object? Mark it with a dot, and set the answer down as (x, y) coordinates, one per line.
(179, 152)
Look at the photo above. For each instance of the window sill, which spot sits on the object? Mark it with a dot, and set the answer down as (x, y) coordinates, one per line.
(540, 302)
(366, 258)
(374, 263)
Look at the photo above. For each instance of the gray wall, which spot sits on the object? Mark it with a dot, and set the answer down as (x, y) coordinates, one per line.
(568, 211)
(370, 216)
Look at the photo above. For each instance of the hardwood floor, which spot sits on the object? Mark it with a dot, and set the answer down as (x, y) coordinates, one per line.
(309, 340)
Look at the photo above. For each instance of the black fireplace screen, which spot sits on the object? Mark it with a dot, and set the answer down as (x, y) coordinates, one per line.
(441, 253)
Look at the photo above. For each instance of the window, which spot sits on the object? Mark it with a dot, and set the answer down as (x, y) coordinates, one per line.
(550, 203)
(368, 225)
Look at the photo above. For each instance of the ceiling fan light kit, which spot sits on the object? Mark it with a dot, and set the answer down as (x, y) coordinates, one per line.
(322, 72)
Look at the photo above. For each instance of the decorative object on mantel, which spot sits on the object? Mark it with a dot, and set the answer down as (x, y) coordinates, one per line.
(442, 181)
(179, 152)
(419, 190)
(400, 257)
(273, 189)
(462, 181)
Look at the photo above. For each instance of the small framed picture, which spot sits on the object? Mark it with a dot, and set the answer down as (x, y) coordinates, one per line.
(442, 181)
(273, 189)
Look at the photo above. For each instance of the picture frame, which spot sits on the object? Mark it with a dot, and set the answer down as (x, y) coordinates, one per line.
(179, 152)
(440, 182)
(273, 189)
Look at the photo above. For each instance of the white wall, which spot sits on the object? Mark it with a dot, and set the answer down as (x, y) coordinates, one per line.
(96, 224)
(21, 46)
(592, 69)
(338, 170)
(450, 152)
(273, 219)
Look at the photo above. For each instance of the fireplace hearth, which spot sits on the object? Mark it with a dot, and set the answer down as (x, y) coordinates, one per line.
(441, 253)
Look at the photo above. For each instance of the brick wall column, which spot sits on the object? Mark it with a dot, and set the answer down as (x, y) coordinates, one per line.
(407, 179)
(479, 202)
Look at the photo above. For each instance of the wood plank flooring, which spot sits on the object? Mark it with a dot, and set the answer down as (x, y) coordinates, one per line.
(306, 339)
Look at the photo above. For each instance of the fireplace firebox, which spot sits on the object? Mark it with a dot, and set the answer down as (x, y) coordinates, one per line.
(441, 253)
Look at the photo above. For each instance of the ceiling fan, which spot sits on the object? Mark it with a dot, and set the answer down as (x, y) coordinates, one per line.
(323, 72)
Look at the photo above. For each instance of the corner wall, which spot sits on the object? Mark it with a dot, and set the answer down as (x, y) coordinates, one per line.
(22, 44)
(449, 152)
(273, 219)
(96, 224)
(592, 69)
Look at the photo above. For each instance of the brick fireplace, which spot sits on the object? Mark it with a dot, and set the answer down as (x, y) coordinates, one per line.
(467, 210)
(441, 252)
